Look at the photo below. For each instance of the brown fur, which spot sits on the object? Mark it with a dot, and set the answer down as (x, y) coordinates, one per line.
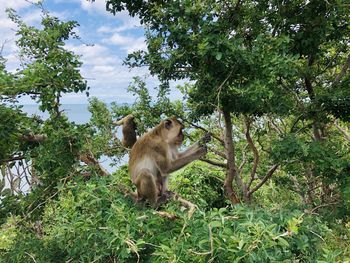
(155, 155)
(129, 131)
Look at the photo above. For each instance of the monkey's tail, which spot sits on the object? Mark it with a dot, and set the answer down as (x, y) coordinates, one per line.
(146, 186)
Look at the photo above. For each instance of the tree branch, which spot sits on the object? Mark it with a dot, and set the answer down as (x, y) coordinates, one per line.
(205, 130)
(33, 138)
(247, 123)
(221, 154)
(244, 161)
(90, 160)
(343, 131)
(192, 207)
(342, 72)
(212, 162)
(11, 159)
(274, 126)
(263, 181)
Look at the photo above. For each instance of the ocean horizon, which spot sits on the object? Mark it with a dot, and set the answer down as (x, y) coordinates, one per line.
(79, 114)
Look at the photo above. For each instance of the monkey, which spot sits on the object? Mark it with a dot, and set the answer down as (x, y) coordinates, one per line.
(128, 130)
(155, 155)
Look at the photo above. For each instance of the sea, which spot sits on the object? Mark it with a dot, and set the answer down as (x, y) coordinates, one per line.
(76, 112)
(79, 114)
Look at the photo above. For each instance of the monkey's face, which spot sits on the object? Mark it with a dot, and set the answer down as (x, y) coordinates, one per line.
(173, 131)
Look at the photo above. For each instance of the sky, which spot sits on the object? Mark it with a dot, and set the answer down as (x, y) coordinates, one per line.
(105, 41)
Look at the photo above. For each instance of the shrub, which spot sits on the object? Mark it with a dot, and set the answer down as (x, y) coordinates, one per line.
(92, 221)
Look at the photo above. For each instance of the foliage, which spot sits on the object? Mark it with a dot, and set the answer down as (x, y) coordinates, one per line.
(50, 70)
(201, 185)
(254, 54)
(43, 153)
(275, 69)
(92, 221)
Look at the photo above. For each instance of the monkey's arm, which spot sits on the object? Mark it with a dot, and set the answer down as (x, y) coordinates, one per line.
(183, 161)
(194, 147)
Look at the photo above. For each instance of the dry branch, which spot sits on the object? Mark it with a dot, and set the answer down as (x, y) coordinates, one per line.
(166, 215)
(11, 159)
(192, 207)
(33, 138)
(90, 160)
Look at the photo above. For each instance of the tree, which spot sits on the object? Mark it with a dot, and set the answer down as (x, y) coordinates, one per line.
(36, 155)
(49, 70)
(253, 58)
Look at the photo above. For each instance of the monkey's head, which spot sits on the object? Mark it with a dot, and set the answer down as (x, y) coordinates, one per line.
(172, 131)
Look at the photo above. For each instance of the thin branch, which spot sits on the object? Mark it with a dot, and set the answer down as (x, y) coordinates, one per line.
(247, 123)
(220, 87)
(342, 72)
(343, 131)
(221, 154)
(274, 126)
(263, 181)
(205, 130)
(212, 162)
(295, 122)
(90, 160)
(31, 256)
(244, 160)
(42, 203)
(322, 205)
(11, 159)
(33, 138)
(192, 207)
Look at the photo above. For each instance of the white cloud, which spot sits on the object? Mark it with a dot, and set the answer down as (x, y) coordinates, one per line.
(105, 74)
(33, 16)
(99, 6)
(118, 39)
(127, 43)
(126, 22)
(102, 63)
(15, 4)
(103, 69)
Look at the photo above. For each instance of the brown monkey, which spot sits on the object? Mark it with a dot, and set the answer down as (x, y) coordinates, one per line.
(128, 130)
(155, 155)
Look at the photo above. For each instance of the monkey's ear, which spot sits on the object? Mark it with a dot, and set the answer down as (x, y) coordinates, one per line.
(167, 124)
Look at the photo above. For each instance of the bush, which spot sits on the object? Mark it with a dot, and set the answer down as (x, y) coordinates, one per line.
(92, 221)
(200, 184)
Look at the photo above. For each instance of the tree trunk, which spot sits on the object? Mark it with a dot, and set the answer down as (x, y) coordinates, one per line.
(230, 156)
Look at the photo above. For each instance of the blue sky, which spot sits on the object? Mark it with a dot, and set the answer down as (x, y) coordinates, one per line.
(113, 37)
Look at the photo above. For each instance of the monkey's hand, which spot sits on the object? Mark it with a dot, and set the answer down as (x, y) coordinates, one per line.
(205, 139)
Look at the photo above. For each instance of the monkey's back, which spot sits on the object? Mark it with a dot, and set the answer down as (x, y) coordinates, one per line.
(145, 151)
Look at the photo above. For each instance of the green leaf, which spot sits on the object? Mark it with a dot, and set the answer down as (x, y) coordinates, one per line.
(218, 55)
(214, 224)
(283, 242)
(2, 184)
(6, 192)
